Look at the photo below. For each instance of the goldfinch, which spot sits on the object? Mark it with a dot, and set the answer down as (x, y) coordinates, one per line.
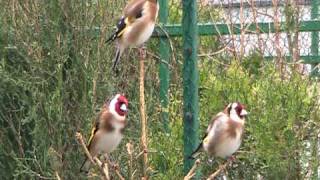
(108, 130)
(224, 134)
(135, 26)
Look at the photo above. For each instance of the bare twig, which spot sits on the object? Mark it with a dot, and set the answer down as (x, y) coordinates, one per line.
(242, 30)
(223, 167)
(145, 151)
(277, 45)
(102, 166)
(57, 175)
(17, 136)
(255, 20)
(171, 45)
(143, 117)
(216, 52)
(192, 171)
(130, 153)
(117, 170)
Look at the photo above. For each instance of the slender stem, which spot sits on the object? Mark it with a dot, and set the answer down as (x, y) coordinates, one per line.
(217, 172)
(143, 116)
(192, 171)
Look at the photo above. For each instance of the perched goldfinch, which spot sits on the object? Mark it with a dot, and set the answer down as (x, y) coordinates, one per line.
(108, 130)
(224, 134)
(135, 26)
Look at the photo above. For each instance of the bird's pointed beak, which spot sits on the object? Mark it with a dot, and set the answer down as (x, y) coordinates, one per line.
(244, 112)
(124, 108)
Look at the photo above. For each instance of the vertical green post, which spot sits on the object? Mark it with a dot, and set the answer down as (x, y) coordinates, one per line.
(315, 34)
(190, 80)
(164, 66)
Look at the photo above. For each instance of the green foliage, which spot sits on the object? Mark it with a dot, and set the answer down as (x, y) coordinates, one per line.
(279, 111)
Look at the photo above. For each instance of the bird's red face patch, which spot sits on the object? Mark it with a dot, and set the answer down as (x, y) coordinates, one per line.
(239, 109)
(121, 106)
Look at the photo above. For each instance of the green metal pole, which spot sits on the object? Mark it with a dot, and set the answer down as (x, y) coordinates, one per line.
(190, 80)
(315, 35)
(164, 73)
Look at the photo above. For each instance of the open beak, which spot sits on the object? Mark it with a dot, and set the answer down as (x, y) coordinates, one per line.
(124, 108)
(244, 112)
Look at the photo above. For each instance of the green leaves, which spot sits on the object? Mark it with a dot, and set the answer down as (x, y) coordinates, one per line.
(279, 109)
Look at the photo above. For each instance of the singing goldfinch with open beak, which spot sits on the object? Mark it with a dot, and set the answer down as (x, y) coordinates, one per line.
(108, 130)
(224, 134)
(135, 26)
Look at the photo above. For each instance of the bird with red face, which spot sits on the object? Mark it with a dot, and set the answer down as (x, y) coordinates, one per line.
(108, 130)
(224, 133)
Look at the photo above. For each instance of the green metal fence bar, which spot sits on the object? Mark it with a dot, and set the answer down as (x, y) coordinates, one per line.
(164, 73)
(190, 80)
(223, 29)
(305, 59)
(315, 35)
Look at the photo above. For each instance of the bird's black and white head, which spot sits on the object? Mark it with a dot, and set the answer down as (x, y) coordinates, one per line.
(119, 107)
(236, 111)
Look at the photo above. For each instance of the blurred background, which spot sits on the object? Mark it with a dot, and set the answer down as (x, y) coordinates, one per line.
(55, 74)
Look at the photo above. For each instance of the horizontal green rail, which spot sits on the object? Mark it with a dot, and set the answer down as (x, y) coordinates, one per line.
(224, 29)
(305, 59)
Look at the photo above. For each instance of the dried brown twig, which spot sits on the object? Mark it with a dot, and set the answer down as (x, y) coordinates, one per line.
(143, 116)
(130, 161)
(223, 167)
(192, 171)
(57, 175)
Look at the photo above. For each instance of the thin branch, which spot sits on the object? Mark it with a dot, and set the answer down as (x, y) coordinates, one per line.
(17, 136)
(57, 175)
(117, 170)
(192, 171)
(145, 151)
(217, 172)
(216, 52)
(171, 45)
(143, 116)
(130, 153)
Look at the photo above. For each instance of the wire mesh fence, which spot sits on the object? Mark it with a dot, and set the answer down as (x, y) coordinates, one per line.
(276, 31)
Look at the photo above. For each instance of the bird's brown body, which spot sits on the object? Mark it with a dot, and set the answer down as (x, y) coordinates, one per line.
(139, 29)
(108, 130)
(224, 137)
(136, 25)
(224, 133)
(108, 127)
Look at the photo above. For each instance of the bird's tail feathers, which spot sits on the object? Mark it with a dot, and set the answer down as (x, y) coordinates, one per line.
(117, 58)
(85, 166)
(121, 26)
(195, 153)
(112, 38)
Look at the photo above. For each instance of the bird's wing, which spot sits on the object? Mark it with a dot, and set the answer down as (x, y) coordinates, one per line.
(214, 121)
(94, 130)
(204, 138)
(100, 122)
(131, 12)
